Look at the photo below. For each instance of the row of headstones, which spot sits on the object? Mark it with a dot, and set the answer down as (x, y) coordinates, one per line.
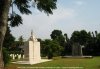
(17, 56)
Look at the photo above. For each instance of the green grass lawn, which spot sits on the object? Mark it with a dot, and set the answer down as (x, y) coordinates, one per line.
(86, 63)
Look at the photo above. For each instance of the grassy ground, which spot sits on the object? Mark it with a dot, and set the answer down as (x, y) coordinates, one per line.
(86, 63)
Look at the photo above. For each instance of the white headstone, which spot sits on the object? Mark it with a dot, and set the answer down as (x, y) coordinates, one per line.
(13, 57)
(19, 56)
(23, 56)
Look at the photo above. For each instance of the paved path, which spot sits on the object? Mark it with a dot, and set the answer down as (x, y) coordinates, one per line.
(27, 62)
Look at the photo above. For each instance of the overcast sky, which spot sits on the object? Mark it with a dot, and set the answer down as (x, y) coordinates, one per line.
(69, 16)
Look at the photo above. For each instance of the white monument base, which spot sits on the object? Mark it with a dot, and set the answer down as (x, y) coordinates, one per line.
(27, 62)
(32, 50)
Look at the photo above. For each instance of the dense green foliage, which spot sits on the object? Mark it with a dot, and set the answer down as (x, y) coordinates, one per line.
(11, 46)
(50, 48)
(90, 41)
(6, 57)
(79, 37)
(57, 35)
(7, 46)
(8, 40)
(24, 6)
(17, 46)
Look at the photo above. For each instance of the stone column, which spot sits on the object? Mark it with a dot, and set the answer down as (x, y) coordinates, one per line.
(31, 52)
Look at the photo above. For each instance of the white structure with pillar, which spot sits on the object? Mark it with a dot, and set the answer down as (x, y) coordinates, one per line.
(32, 50)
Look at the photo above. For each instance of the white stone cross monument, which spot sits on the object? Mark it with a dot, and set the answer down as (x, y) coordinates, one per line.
(32, 50)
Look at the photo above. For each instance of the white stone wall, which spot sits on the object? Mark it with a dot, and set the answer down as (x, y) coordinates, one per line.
(36, 55)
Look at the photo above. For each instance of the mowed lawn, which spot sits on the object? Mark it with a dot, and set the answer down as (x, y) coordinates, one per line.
(84, 63)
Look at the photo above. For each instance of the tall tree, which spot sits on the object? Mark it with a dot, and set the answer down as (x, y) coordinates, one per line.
(67, 47)
(66, 37)
(8, 40)
(75, 36)
(80, 37)
(51, 48)
(23, 6)
(21, 40)
(57, 35)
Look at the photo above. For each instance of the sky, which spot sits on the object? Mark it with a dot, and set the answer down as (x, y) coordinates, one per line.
(70, 15)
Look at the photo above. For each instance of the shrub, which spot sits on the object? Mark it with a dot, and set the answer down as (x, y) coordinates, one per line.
(6, 56)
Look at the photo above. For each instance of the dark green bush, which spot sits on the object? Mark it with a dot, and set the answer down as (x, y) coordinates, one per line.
(6, 57)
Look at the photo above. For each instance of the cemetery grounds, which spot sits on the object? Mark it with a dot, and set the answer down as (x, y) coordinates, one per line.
(60, 63)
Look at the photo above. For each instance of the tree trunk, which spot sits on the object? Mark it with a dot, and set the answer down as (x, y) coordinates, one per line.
(4, 10)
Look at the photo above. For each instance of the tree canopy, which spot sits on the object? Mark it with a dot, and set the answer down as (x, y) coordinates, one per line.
(14, 19)
(24, 7)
